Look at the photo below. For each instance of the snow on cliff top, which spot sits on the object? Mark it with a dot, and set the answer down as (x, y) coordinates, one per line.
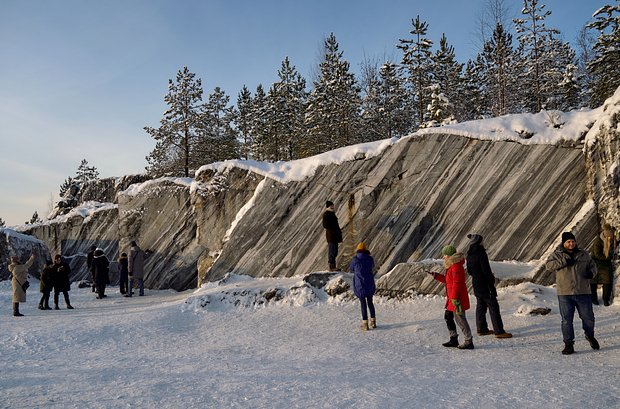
(545, 127)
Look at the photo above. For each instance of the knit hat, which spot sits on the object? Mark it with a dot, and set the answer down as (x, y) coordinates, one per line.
(362, 247)
(329, 204)
(567, 236)
(448, 250)
(474, 238)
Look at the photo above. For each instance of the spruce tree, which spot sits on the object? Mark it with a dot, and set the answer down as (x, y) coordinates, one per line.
(604, 65)
(332, 114)
(85, 173)
(243, 122)
(473, 95)
(447, 76)
(417, 62)
(260, 120)
(66, 185)
(289, 103)
(179, 128)
(217, 138)
(533, 38)
(34, 219)
(2, 223)
(499, 76)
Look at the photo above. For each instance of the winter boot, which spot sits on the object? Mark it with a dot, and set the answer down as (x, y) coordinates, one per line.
(503, 335)
(568, 348)
(373, 323)
(364, 325)
(468, 344)
(69, 307)
(56, 307)
(453, 343)
(486, 332)
(16, 310)
(593, 342)
(41, 307)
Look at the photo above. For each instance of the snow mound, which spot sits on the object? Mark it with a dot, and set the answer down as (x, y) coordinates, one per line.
(247, 293)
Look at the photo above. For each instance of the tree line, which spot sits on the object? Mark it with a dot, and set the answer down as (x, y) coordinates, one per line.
(529, 71)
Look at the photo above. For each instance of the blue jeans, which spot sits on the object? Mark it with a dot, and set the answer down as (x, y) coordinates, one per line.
(140, 285)
(583, 304)
(367, 302)
(332, 253)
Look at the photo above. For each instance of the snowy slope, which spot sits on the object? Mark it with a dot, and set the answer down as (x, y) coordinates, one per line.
(167, 350)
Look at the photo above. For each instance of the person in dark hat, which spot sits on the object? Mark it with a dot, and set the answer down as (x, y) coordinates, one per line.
(602, 252)
(483, 283)
(333, 234)
(574, 268)
(89, 265)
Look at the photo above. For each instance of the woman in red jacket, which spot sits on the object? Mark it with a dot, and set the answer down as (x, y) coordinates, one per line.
(457, 301)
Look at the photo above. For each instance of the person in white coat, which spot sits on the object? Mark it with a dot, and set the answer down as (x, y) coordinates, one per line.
(20, 276)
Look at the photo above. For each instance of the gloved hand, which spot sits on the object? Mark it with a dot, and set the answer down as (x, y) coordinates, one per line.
(457, 306)
(570, 262)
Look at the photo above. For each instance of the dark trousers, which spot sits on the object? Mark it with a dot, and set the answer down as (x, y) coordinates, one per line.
(607, 289)
(482, 305)
(583, 305)
(100, 290)
(65, 293)
(123, 283)
(45, 300)
(332, 253)
(366, 303)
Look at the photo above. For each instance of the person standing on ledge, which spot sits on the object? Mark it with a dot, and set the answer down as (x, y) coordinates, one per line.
(574, 268)
(333, 234)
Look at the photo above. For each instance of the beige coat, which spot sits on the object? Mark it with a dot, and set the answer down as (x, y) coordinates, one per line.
(20, 272)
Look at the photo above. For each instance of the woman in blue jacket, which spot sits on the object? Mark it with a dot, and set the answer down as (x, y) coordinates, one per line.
(362, 267)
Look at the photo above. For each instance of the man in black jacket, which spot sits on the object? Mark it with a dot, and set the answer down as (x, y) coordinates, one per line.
(333, 234)
(483, 282)
(62, 284)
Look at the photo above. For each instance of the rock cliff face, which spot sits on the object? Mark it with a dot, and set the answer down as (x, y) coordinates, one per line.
(419, 195)
(405, 203)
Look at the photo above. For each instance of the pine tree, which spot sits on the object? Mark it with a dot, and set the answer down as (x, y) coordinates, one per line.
(85, 173)
(604, 66)
(332, 114)
(243, 122)
(417, 62)
(533, 36)
(179, 128)
(217, 138)
(2, 223)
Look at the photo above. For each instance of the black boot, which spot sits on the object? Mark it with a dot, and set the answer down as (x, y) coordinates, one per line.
(453, 343)
(468, 344)
(568, 348)
(16, 310)
(593, 342)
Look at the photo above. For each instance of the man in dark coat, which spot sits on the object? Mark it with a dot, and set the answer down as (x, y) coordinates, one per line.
(333, 234)
(483, 282)
(100, 268)
(47, 285)
(61, 281)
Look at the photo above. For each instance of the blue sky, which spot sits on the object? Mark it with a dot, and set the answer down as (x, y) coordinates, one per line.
(81, 78)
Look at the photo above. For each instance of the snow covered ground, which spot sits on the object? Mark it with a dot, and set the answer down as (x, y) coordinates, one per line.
(215, 348)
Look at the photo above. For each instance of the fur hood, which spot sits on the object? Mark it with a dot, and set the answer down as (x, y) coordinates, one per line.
(453, 259)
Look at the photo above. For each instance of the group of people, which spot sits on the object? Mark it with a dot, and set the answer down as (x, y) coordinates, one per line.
(577, 276)
(55, 276)
(130, 269)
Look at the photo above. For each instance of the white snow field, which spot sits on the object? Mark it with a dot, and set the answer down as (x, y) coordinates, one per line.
(215, 348)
